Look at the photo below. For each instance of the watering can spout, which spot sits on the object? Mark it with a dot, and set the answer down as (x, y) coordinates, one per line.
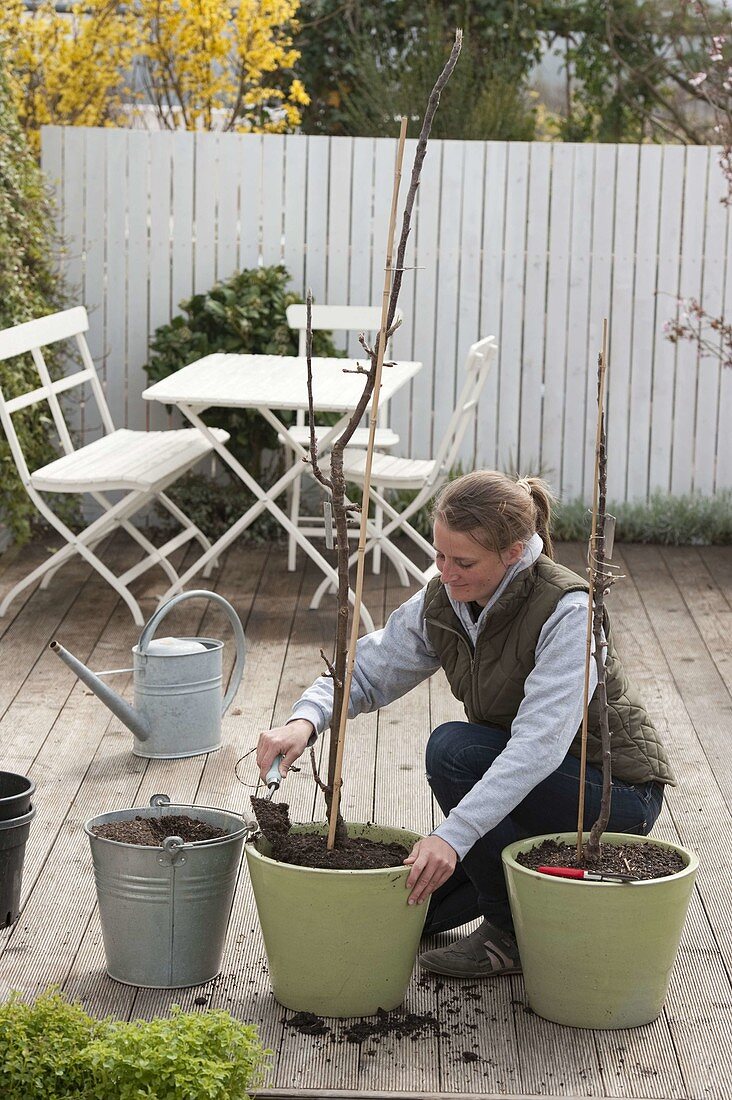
(126, 714)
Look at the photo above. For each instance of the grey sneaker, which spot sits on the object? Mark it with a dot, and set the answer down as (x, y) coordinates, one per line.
(485, 953)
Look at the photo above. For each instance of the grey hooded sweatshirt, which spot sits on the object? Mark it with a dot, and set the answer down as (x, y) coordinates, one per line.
(393, 660)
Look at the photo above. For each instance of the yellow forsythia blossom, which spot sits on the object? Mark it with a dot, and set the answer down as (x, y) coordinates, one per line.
(66, 68)
(197, 64)
(222, 65)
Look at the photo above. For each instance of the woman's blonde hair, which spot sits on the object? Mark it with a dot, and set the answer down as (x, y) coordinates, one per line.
(496, 509)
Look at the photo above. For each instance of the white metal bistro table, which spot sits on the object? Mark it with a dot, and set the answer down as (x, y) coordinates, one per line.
(271, 384)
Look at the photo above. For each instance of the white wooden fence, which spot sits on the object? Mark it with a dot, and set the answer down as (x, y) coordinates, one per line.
(532, 242)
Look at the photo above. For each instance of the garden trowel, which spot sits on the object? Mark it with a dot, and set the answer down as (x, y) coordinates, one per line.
(273, 778)
(273, 818)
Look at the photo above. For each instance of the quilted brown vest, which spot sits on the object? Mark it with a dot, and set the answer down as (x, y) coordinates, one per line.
(490, 681)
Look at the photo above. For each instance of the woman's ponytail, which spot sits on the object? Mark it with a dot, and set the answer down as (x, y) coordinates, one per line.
(544, 501)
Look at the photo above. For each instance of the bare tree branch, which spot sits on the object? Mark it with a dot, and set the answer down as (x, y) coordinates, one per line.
(336, 485)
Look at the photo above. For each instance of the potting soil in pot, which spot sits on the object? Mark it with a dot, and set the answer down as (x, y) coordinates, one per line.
(152, 831)
(311, 850)
(643, 861)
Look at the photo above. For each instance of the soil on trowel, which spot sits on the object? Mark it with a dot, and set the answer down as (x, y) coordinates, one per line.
(642, 861)
(152, 831)
(311, 850)
(273, 819)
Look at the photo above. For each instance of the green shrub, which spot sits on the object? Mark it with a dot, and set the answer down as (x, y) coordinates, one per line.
(215, 505)
(54, 1050)
(486, 98)
(664, 519)
(186, 1057)
(29, 287)
(667, 520)
(40, 1048)
(244, 314)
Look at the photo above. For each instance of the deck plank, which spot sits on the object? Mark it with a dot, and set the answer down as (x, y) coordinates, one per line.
(695, 812)
(706, 603)
(17, 561)
(699, 682)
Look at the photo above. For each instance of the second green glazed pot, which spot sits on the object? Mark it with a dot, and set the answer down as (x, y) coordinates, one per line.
(597, 954)
(338, 943)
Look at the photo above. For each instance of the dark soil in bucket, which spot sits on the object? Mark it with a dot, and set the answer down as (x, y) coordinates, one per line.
(152, 831)
(311, 850)
(642, 861)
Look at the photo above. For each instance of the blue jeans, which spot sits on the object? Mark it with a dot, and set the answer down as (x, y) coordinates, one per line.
(458, 755)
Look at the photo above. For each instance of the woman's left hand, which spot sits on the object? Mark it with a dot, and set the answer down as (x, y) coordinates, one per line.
(432, 861)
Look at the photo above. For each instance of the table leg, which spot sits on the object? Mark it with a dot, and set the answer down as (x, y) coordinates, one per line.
(264, 500)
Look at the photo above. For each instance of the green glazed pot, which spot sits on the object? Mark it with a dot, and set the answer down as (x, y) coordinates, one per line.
(338, 943)
(597, 954)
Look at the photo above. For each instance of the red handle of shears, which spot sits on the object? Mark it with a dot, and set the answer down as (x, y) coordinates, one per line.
(562, 872)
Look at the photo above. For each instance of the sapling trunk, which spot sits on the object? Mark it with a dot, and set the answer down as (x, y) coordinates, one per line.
(602, 582)
(601, 579)
(341, 666)
(335, 487)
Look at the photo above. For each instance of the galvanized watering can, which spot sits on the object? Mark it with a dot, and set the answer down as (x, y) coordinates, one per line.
(177, 681)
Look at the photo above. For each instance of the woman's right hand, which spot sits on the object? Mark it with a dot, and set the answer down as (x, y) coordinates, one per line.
(288, 741)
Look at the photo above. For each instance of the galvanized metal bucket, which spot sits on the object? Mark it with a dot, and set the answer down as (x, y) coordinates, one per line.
(165, 910)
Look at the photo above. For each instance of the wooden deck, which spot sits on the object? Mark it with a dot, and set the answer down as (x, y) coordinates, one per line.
(673, 614)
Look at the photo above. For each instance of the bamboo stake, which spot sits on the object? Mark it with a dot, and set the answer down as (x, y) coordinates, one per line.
(591, 595)
(361, 552)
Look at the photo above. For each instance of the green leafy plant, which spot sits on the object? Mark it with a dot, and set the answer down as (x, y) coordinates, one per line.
(629, 68)
(215, 505)
(188, 1056)
(244, 314)
(29, 287)
(54, 1050)
(40, 1048)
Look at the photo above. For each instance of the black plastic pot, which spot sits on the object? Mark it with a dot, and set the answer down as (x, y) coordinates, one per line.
(13, 837)
(16, 792)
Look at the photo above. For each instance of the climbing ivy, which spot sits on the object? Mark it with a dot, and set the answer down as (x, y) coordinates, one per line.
(29, 287)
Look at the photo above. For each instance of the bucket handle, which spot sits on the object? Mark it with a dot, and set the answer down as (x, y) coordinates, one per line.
(172, 851)
(159, 615)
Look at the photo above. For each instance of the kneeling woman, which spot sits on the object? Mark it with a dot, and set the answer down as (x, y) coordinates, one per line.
(508, 625)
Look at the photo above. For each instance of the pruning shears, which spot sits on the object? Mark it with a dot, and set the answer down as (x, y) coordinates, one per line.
(588, 876)
(273, 777)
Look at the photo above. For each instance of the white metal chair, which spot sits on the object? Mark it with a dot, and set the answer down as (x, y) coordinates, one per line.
(365, 319)
(424, 475)
(140, 464)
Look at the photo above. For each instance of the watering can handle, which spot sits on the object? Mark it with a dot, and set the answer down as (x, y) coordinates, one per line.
(154, 623)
